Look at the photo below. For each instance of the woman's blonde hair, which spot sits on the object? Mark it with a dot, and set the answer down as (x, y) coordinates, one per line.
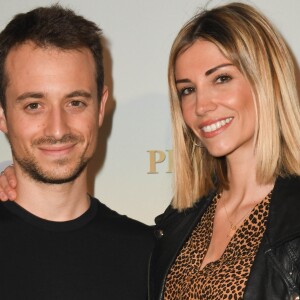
(250, 42)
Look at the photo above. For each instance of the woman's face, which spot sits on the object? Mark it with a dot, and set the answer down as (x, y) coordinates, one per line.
(216, 100)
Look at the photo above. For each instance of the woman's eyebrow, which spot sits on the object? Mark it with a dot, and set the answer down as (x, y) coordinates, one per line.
(212, 70)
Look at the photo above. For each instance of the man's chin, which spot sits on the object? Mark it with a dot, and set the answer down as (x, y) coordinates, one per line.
(60, 175)
(54, 180)
(45, 177)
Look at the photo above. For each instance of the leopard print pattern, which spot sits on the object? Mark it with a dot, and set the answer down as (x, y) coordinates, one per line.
(222, 279)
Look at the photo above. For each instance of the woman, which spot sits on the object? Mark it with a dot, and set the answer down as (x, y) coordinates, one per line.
(232, 230)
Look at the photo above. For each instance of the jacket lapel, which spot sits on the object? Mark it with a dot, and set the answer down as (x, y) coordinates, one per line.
(176, 228)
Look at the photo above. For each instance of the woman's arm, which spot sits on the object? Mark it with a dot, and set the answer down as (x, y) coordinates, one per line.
(8, 183)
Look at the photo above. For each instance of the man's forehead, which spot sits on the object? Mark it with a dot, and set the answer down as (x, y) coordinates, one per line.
(33, 47)
(31, 59)
(38, 69)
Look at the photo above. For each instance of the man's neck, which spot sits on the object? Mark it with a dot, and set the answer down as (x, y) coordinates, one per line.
(54, 202)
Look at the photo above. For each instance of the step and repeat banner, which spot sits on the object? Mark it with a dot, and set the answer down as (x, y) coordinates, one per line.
(132, 168)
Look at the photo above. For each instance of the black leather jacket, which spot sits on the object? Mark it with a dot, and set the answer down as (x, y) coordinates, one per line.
(275, 274)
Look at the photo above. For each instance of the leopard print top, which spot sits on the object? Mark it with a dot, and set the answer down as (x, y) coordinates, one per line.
(222, 279)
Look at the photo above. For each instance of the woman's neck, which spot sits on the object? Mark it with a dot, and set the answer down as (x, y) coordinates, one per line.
(244, 189)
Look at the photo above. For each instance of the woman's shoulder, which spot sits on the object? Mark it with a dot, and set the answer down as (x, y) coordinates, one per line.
(284, 221)
(286, 190)
(290, 182)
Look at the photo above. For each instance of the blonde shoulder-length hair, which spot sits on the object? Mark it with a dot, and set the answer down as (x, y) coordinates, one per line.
(251, 43)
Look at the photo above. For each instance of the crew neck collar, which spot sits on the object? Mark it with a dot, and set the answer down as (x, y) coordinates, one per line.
(70, 225)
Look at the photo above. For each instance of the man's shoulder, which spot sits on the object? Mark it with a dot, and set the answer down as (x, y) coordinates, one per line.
(4, 213)
(121, 223)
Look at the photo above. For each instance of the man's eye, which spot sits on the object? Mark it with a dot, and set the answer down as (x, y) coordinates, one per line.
(77, 103)
(33, 106)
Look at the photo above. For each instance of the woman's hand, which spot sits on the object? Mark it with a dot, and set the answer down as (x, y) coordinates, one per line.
(8, 183)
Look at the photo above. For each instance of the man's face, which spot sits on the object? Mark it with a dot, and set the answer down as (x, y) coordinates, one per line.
(53, 114)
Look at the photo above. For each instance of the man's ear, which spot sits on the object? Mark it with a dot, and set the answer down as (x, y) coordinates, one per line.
(103, 100)
(3, 125)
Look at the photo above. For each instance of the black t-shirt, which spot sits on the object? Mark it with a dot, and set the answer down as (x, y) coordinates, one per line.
(100, 255)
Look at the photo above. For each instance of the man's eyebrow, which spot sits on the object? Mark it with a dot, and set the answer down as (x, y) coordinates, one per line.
(214, 69)
(39, 95)
(35, 95)
(79, 93)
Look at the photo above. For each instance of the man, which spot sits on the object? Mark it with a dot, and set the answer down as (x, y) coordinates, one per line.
(56, 241)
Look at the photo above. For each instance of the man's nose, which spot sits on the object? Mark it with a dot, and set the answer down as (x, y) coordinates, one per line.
(57, 123)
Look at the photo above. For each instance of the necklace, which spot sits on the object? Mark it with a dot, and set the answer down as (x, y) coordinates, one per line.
(233, 226)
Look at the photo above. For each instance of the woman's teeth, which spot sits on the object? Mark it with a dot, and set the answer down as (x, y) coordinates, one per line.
(217, 125)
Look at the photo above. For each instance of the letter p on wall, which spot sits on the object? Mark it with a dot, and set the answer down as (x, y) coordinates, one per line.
(159, 157)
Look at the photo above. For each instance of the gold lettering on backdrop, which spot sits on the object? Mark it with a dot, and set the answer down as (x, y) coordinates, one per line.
(170, 161)
(160, 158)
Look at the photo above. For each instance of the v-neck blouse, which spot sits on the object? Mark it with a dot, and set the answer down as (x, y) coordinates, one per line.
(222, 279)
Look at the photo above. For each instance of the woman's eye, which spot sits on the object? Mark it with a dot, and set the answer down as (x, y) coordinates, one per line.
(186, 91)
(223, 78)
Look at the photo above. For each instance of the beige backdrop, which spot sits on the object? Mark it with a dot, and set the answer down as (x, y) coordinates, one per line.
(131, 172)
